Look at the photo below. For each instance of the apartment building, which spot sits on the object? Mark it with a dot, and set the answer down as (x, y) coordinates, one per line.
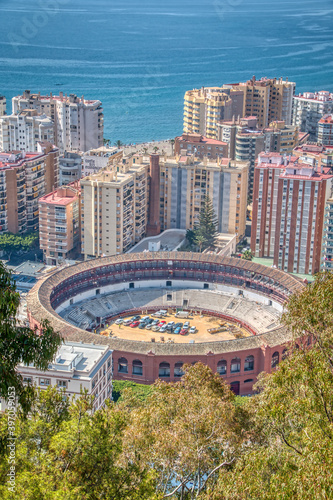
(309, 108)
(290, 195)
(200, 146)
(96, 159)
(23, 131)
(22, 182)
(325, 130)
(327, 248)
(70, 167)
(245, 140)
(60, 224)
(114, 209)
(205, 107)
(269, 99)
(78, 122)
(2, 105)
(77, 366)
(184, 183)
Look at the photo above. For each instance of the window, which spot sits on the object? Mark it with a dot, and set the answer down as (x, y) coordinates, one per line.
(206, 286)
(131, 285)
(98, 291)
(168, 283)
(27, 380)
(178, 370)
(61, 383)
(248, 380)
(222, 367)
(122, 365)
(275, 359)
(137, 368)
(44, 381)
(164, 369)
(235, 365)
(249, 363)
(169, 296)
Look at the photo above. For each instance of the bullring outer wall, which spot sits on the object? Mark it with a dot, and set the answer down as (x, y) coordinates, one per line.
(242, 275)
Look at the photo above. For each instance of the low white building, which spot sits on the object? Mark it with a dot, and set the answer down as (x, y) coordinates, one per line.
(76, 366)
(96, 159)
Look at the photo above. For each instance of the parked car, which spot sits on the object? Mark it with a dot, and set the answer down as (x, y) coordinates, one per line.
(144, 319)
(170, 325)
(193, 329)
(179, 324)
(163, 329)
(155, 322)
(149, 326)
(134, 324)
(127, 322)
(142, 325)
(187, 324)
(135, 318)
(150, 321)
(161, 323)
(184, 331)
(119, 321)
(177, 330)
(155, 328)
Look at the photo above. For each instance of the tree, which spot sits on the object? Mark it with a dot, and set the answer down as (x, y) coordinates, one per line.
(119, 144)
(292, 453)
(247, 255)
(20, 344)
(187, 431)
(10, 243)
(64, 451)
(206, 230)
(106, 142)
(155, 148)
(172, 142)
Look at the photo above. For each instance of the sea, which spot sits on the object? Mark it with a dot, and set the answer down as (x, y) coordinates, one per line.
(140, 56)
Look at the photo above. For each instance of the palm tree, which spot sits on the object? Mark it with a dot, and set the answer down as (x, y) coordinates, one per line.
(118, 144)
(247, 255)
(145, 150)
(106, 142)
(155, 148)
(172, 142)
(200, 240)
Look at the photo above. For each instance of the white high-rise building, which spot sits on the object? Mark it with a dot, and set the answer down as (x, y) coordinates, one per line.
(2, 105)
(79, 123)
(309, 108)
(22, 132)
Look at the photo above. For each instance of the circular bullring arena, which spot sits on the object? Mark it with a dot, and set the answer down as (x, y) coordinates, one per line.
(221, 311)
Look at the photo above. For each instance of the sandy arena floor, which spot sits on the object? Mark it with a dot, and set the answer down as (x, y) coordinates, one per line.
(202, 323)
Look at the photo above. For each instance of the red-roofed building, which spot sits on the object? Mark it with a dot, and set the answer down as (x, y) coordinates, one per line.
(290, 194)
(59, 223)
(200, 146)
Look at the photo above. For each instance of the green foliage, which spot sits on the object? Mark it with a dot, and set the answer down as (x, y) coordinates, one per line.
(140, 391)
(20, 344)
(247, 255)
(10, 243)
(205, 232)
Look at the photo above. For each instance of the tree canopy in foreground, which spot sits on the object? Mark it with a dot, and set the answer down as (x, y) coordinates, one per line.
(191, 439)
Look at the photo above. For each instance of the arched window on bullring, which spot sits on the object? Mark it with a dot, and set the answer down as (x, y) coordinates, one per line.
(222, 367)
(249, 363)
(122, 365)
(178, 369)
(235, 365)
(137, 368)
(164, 369)
(275, 359)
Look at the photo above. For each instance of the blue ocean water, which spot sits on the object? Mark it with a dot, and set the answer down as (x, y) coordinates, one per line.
(139, 57)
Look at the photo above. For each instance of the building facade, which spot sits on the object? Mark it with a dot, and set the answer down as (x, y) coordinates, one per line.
(290, 195)
(269, 99)
(70, 167)
(3, 105)
(23, 181)
(114, 210)
(186, 181)
(78, 122)
(325, 130)
(309, 108)
(23, 131)
(60, 224)
(200, 146)
(77, 366)
(96, 159)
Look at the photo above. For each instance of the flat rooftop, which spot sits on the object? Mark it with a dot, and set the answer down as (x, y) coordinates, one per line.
(169, 240)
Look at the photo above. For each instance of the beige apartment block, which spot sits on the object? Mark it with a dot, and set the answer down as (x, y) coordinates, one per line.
(78, 122)
(269, 99)
(59, 224)
(114, 209)
(185, 181)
